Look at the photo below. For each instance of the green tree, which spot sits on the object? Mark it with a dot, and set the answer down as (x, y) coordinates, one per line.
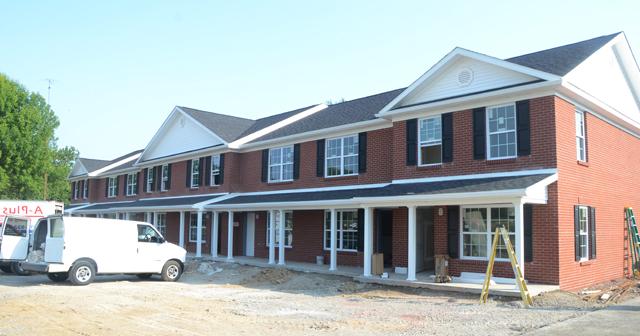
(28, 150)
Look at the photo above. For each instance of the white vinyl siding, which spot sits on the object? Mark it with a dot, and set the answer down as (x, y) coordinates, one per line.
(581, 142)
(281, 164)
(193, 228)
(113, 185)
(430, 141)
(288, 228)
(478, 229)
(341, 156)
(132, 184)
(501, 132)
(215, 170)
(347, 230)
(195, 173)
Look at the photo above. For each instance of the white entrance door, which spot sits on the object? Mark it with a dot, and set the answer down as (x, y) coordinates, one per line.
(14, 239)
(250, 234)
(54, 246)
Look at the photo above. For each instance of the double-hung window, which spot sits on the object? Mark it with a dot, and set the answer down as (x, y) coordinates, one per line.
(288, 228)
(76, 187)
(195, 173)
(346, 230)
(113, 186)
(581, 143)
(161, 224)
(583, 232)
(85, 189)
(193, 228)
(430, 137)
(150, 179)
(281, 164)
(132, 184)
(215, 170)
(341, 156)
(478, 229)
(501, 126)
(164, 172)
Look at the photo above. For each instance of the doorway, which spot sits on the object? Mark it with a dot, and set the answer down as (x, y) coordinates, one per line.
(424, 239)
(384, 240)
(249, 234)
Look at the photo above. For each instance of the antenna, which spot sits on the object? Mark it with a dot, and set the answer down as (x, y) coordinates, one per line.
(50, 81)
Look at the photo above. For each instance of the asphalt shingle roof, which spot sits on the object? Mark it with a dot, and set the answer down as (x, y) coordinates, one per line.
(561, 60)
(125, 165)
(227, 127)
(93, 164)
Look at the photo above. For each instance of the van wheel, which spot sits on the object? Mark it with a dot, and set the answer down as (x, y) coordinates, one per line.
(144, 275)
(6, 268)
(58, 277)
(82, 273)
(17, 269)
(171, 271)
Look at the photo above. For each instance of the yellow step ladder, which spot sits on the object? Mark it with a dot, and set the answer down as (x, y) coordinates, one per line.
(524, 291)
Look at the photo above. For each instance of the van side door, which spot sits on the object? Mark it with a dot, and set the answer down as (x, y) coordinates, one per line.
(14, 239)
(54, 243)
(150, 258)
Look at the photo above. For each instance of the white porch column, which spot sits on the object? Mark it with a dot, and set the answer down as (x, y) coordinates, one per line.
(214, 234)
(334, 240)
(281, 239)
(230, 235)
(181, 234)
(519, 248)
(411, 258)
(199, 235)
(272, 237)
(126, 215)
(155, 219)
(368, 240)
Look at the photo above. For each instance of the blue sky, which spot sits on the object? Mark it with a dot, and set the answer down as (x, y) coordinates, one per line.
(119, 67)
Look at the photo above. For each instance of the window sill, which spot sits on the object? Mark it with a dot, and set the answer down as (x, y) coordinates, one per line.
(587, 262)
(430, 166)
(341, 177)
(286, 247)
(583, 163)
(280, 182)
(502, 160)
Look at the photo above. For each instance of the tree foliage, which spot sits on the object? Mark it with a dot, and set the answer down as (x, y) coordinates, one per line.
(28, 149)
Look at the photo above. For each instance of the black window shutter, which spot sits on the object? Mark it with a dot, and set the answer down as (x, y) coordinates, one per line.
(221, 176)
(157, 178)
(362, 152)
(187, 181)
(523, 128)
(528, 232)
(81, 190)
(576, 230)
(117, 185)
(296, 161)
(479, 133)
(169, 177)
(265, 165)
(106, 187)
(453, 230)
(88, 187)
(320, 158)
(412, 141)
(360, 230)
(447, 137)
(124, 185)
(145, 177)
(138, 182)
(592, 233)
(73, 190)
(207, 170)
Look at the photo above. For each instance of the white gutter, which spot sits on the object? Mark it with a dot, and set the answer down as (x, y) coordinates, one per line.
(114, 165)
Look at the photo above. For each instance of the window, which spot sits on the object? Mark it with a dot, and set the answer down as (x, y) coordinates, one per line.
(477, 235)
(132, 184)
(113, 186)
(347, 230)
(430, 137)
(56, 228)
(281, 164)
(85, 189)
(195, 173)
(288, 228)
(146, 234)
(342, 156)
(215, 170)
(150, 178)
(164, 186)
(193, 228)
(501, 123)
(76, 187)
(581, 144)
(16, 227)
(583, 225)
(161, 225)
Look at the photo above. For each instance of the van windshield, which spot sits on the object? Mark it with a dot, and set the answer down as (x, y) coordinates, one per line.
(16, 227)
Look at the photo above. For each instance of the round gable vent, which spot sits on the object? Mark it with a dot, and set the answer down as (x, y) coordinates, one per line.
(465, 77)
(181, 121)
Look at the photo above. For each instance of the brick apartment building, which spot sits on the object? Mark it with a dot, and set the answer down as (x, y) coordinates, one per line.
(546, 144)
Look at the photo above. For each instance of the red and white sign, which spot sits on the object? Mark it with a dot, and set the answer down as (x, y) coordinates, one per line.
(29, 209)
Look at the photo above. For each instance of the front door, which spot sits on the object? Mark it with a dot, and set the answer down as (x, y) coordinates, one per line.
(249, 232)
(424, 239)
(385, 235)
(14, 238)
(54, 246)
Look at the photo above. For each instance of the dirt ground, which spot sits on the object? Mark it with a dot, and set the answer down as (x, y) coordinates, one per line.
(225, 299)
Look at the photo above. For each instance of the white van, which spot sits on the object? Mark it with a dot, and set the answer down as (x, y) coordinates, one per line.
(14, 242)
(78, 248)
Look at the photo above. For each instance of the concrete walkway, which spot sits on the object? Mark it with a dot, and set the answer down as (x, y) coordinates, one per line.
(621, 319)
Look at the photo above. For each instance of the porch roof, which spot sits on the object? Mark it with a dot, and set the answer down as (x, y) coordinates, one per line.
(150, 204)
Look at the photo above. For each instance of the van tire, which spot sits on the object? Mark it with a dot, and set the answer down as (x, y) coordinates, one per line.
(58, 277)
(17, 269)
(171, 271)
(144, 275)
(6, 269)
(82, 273)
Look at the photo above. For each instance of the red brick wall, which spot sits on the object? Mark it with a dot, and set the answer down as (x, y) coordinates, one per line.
(400, 235)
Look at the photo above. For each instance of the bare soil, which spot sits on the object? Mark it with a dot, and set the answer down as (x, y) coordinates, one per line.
(223, 299)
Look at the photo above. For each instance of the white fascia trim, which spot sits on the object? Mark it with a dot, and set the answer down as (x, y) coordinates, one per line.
(70, 211)
(182, 156)
(238, 143)
(477, 176)
(497, 97)
(306, 205)
(363, 126)
(178, 197)
(461, 52)
(201, 125)
(78, 162)
(159, 131)
(492, 196)
(114, 165)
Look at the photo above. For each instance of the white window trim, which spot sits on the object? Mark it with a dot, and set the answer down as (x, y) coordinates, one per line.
(339, 231)
(195, 224)
(489, 234)
(164, 177)
(85, 189)
(584, 233)
(150, 179)
(429, 143)
(488, 133)
(277, 244)
(112, 188)
(581, 137)
(192, 173)
(214, 172)
(133, 184)
(158, 216)
(341, 156)
(280, 165)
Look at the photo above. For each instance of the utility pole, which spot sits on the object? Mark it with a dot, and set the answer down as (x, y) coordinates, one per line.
(46, 174)
(50, 81)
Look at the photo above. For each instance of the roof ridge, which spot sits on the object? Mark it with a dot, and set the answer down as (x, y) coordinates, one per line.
(369, 96)
(216, 113)
(610, 36)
